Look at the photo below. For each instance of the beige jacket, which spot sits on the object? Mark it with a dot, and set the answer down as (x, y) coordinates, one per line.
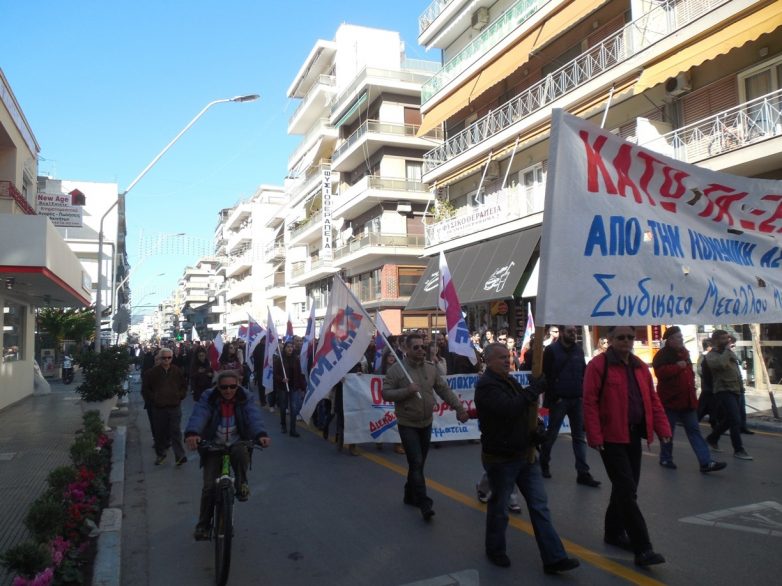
(412, 410)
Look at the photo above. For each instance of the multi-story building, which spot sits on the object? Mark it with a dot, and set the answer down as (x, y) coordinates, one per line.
(196, 289)
(696, 79)
(37, 269)
(357, 200)
(79, 222)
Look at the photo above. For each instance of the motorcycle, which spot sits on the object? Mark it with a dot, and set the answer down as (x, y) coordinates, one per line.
(67, 370)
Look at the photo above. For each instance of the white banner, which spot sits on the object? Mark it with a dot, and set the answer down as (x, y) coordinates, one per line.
(58, 207)
(369, 419)
(326, 249)
(633, 237)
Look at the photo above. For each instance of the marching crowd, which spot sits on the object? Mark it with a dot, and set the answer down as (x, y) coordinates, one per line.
(610, 400)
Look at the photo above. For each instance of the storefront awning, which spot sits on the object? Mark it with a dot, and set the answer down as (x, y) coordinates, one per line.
(717, 43)
(486, 271)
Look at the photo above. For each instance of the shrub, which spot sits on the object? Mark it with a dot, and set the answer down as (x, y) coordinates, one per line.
(45, 517)
(103, 373)
(59, 479)
(26, 559)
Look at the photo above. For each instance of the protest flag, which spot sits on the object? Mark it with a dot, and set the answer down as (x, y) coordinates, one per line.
(194, 337)
(255, 334)
(309, 337)
(458, 334)
(272, 347)
(381, 335)
(289, 328)
(214, 351)
(528, 332)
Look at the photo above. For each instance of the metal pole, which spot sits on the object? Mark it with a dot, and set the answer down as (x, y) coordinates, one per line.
(510, 163)
(98, 306)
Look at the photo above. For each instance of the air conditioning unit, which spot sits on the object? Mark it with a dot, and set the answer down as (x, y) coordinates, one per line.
(679, 85)
(493, 171)
(480, 18)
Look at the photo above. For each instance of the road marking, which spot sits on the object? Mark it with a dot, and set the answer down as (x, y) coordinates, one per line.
(764, 518)
(582, 552)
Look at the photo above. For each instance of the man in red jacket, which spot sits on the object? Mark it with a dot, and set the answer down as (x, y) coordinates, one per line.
(676, 388)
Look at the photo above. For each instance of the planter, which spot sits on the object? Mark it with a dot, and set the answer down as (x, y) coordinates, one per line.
(103, 407)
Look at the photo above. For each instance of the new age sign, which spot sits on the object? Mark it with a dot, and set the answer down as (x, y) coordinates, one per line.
(631, 236)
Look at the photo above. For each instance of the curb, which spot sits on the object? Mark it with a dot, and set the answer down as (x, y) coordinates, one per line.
(764, 425)
(106, 571)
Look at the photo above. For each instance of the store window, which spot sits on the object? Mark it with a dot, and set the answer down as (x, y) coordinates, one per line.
(377, 284)
(408, 279)
(13, 331)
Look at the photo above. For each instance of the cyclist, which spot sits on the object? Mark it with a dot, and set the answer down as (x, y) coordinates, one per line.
(224, 415)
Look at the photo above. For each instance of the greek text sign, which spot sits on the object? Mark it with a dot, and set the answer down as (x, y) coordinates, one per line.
(57, 206)
(631, 236)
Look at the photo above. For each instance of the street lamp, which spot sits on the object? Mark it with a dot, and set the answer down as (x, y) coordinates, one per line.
(98, 306)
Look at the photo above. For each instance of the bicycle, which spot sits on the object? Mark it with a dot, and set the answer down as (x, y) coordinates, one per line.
(221, 531)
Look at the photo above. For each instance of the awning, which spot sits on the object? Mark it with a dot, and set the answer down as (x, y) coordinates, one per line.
(513, 59)
(485, 271)
(717, 43)
(352, 110)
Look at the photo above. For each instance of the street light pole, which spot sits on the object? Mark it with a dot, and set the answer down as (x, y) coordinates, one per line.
(98, 306)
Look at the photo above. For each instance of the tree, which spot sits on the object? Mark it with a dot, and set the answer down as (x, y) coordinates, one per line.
(66, 324)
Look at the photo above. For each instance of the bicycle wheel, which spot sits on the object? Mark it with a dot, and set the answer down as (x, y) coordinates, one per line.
(223, 532)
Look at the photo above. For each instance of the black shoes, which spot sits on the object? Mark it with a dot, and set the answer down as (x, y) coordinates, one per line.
(201, 533)
(545, 471)
(160, 459)
(499, 559)
(747, 431)
(586, 479)
(244, 492)
(181, 461)
(563, 565)
(648, 558)
(668, 464)
(621, 541)
(427, 513)
(295, 433)
(713, 466)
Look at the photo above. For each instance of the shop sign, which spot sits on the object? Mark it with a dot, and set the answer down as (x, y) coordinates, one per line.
(326, 249)
(59, 209)
(481, 217)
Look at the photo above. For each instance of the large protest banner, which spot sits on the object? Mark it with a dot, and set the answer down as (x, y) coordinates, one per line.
(631, 236)
(368, 418)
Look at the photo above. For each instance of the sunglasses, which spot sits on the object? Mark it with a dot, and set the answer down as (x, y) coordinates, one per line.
(417, 347)
(502, 339)
(228, 387)
(623, 337)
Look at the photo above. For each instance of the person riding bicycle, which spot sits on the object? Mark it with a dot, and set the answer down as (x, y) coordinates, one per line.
(224, 415)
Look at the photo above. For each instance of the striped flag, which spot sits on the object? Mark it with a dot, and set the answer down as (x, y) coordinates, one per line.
(458, 334)
(528, 332)
(194, 337)
(309, 337)
(289, 328)
(272, 347)
(380, 341)
(214, 351)
(255, 334)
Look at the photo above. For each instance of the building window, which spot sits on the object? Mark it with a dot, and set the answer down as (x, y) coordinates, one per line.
(413, 170)
(408, 279)
(13, 331)
(377, 284)
(533, 182)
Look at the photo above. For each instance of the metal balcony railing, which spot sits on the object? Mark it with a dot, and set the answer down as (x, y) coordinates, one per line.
(413, 73)
(299, 268)
(9, 191)
(312, 220)
(742, 125)
(274, 250)
(376, 182)
(323, 81)
(374, 239)
(509, 21)
(387, 128)
(661, 21)
(431, 13)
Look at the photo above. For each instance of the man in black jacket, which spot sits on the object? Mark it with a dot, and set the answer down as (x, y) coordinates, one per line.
(563, 367)
(508, 456)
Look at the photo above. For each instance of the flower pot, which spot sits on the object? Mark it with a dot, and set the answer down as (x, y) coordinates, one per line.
(103, 407)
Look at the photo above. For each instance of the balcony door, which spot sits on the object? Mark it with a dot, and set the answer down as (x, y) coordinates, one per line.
(763, 116)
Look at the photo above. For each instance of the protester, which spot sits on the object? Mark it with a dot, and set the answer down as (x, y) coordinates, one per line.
(289, 386)
(230, 361)
(676, 389)
(620, 409)
(602, 346)
(414, 402)
(505, 411)
(163, 388)
(563, 367)
(224, 415)
(201, 374)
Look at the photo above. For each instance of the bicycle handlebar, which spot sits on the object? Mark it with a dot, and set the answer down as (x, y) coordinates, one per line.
(214, 447)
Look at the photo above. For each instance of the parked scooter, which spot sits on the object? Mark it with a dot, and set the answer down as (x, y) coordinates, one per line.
(67, 369)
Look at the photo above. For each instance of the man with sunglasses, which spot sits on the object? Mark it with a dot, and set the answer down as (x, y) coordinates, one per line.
(164, 388)
(225, 414)
(414, 403)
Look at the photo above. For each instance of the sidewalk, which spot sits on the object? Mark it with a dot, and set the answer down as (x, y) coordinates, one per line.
(35, 437)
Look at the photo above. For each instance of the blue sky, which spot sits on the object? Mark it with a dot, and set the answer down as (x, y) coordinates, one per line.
(106, 85)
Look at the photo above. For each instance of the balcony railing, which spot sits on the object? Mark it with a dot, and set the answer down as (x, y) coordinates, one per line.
(298, 269)
(274, 250)
(323, 81)
(431, 13)
(387, 128)
(508, 22)
(742, 125)
(413, 74)
(636, 36)
(9, 191)
(375, 182)
(499, 207)
(306, 224)
(374, 239)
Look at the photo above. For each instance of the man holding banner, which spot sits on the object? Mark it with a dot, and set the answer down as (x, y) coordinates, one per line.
(414, 402)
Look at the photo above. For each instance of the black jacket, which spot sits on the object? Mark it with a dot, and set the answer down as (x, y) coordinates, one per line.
(503, 415)
(564, 369)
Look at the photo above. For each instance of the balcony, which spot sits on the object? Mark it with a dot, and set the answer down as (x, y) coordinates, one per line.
(372, 135)
(240, 263)
(312, 105)
(311, 270)
(274, 251)
(238, 239)
(306, 230)
(9, 191)
(430, 14)
(384, 245)
(505, 205)
(297, 162)
(276, 286)
(638, 35)
(743, 125)
(489, 38)
(239, 314)
(370, 190)
(238, 215)
(239, 289)
(217, 308)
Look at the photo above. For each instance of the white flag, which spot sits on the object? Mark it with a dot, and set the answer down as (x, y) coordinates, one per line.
(458, 334)
(272, 347)
(309, 337)
(194, 337)
(344, 337)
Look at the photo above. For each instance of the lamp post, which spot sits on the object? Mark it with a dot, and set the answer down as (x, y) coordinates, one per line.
(98, 306)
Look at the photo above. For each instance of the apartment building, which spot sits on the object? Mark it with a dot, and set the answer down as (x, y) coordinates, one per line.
(197, 287)
(695, 79)
(37, 268)
(356, 197)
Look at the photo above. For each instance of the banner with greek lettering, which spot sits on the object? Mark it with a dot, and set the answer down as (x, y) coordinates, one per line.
(368, 418)
(632, 236)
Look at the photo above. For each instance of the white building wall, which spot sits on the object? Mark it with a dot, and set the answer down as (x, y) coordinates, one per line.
(359, 47)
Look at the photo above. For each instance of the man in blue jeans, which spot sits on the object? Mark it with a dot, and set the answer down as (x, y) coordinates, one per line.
(505, 414)
(676, 389)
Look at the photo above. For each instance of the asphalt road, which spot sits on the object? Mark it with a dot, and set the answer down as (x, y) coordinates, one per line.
(317, 516)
